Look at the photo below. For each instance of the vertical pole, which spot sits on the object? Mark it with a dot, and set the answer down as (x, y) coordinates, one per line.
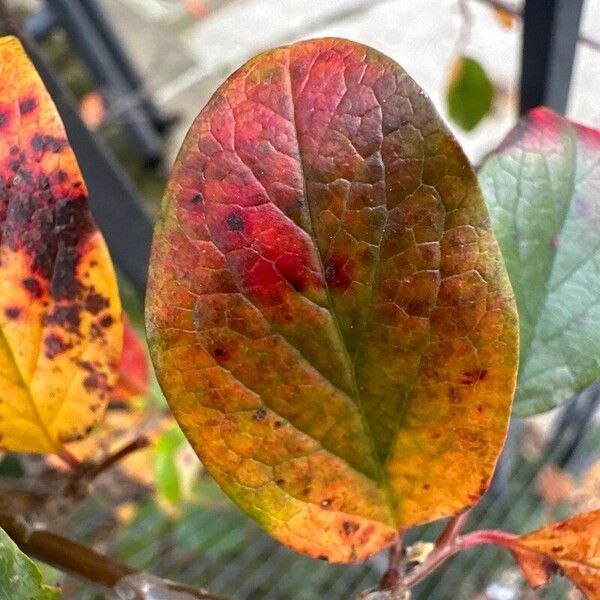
(114, 46)
(550, 32)
(89, 44)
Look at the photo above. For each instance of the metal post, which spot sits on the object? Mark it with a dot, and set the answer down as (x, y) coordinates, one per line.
(106, 71)
(120, 57)
(550, 32)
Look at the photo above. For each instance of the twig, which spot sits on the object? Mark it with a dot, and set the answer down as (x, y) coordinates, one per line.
(138, 443)
(393, 576)
(453, 529)
(87, 564)
(508, 8)
(70, 459)
(442, 552)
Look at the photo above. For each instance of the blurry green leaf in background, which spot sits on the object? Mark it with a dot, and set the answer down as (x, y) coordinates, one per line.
(470, 93)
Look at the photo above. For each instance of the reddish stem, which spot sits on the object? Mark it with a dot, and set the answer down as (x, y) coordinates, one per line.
(137, 444)
(450, 544)
(487, 536)
(70, 459)
(393, 576)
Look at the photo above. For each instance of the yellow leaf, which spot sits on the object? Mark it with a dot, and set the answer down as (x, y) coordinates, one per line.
(60, 313)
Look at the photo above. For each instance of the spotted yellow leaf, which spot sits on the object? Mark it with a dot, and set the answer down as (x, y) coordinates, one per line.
(60, 313)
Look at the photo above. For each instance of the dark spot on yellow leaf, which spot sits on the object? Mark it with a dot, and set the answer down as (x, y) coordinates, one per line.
(94, 302)
(106, 321)
(65, 285)
(32, 285)
(54, 345)
(323, 557)
(260, 414)
(12, 312)
(67, 317)
(349, 527)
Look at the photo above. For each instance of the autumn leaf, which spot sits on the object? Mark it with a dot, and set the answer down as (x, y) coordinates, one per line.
(542, 189)
(572, 547)
(327, 311)
(60, 314)
(134, 372)
(470, 93)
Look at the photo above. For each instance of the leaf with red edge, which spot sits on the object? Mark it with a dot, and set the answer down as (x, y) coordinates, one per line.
(134, 371)
(571, 547)
(327, 310)
(60, 313)
(542, 188)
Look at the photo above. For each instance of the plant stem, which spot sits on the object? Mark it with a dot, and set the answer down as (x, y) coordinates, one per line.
(451, 545)
(64, 554)
(137, 444)
(395, 571)
(87, 564)
(69, 459)
(452, 529)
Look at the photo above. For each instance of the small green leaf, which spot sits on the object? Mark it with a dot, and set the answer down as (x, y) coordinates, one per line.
(166, 471)
(542, 187)
(19, 577)
(470, 93)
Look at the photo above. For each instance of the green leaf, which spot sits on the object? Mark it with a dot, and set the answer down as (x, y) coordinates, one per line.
(20, 579)
(327, 310)
(166, 471)
(543, 189)
(470, 93)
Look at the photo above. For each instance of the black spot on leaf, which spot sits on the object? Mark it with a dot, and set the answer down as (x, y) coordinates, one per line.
(235, 221)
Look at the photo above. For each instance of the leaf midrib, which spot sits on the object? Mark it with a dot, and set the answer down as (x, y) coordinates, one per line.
(383, 480)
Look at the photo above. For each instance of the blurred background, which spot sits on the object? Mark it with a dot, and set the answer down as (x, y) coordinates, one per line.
(129, 76)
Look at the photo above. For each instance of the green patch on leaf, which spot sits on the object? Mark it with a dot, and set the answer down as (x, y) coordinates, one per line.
(19, 577)
(542, 189)
(470, 93)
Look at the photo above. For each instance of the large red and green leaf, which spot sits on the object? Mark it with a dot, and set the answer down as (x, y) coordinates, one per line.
(328, 311)
(60, 315)
(571, 547)
(543, 189)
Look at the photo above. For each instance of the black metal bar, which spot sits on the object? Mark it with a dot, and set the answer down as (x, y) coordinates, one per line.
(117, 209)
(91, 47)
(41, 23)
(114, 46)
(550, 33)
